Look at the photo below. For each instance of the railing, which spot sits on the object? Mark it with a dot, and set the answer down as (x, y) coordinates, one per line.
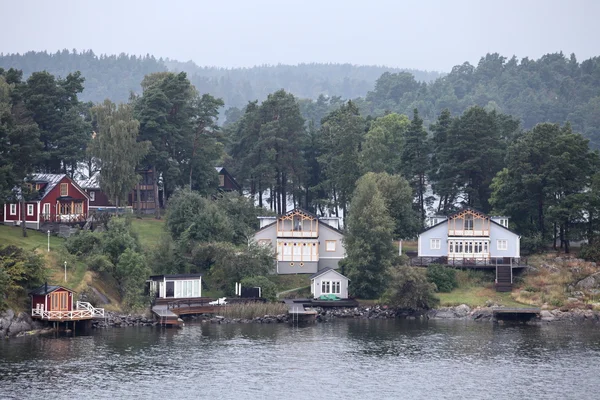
(84, 310)
(63, 218)
(468, 262)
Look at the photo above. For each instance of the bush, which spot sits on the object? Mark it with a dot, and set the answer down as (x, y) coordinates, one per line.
(532, 244)
(410, 290)
(268, 288)
(590, 252)
(83, 243)
(444, 278)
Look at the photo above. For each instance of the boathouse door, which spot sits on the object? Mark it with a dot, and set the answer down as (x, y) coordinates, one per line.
(59, 301)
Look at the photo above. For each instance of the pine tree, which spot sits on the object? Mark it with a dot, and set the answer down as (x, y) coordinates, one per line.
(368, 240)
(415, 161)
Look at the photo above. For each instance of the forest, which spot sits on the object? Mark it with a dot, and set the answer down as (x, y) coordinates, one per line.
(382, 162)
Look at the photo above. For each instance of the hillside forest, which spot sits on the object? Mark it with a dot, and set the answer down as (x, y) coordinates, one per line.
(507, 137)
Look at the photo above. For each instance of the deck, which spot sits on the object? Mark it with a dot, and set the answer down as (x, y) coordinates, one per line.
(515, 313)
(469, 263)
(83, 311)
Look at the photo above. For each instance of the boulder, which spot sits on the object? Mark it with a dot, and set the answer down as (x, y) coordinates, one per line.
(546, 315)
(591, 282)
(462, 311)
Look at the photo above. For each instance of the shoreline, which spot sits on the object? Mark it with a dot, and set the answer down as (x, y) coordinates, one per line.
(12, 325)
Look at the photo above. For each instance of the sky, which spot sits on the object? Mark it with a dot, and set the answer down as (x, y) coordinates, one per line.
(422, 34)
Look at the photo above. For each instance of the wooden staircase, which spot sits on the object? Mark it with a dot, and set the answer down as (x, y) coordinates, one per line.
(504, 278)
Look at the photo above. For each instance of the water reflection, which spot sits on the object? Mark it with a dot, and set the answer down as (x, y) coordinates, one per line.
(353, 358)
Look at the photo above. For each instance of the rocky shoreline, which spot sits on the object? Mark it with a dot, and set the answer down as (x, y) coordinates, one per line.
(21, 324)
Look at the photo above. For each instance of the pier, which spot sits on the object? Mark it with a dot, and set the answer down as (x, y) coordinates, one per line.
(515, 314)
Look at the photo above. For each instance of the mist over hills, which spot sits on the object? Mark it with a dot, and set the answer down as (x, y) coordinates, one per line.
(554, 88)
(115, 76)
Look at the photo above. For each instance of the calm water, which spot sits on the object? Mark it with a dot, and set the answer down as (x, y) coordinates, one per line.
(354, 359)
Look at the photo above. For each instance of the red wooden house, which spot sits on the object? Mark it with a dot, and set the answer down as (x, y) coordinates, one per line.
(57, 198)
(226, 181)
(55, 303)
(98, 199)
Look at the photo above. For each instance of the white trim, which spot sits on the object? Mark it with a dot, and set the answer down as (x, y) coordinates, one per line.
(32, 210)
(435, 244)
(38, 214)
(327, 242)
(92, 195)
(505, 241)
(331, 258)
(11, 209)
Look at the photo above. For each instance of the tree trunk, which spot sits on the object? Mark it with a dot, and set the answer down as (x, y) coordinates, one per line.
(554, 237)
(156, 205)
(23, 220)
(283, 194)
(260, 199)
(139, 200)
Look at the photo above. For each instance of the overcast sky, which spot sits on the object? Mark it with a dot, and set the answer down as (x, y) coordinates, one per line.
(422, 34)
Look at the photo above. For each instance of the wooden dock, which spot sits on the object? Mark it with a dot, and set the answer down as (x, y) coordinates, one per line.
(515, 314)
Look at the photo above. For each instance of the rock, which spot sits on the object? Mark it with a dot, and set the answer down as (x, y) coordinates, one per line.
(591, 282)
(462, 311)
(546, 315)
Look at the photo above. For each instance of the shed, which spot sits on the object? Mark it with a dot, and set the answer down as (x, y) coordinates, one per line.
(179, 286)
(51, 298)
(329, 281)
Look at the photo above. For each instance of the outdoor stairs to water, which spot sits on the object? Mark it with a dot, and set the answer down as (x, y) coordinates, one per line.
(503, 278)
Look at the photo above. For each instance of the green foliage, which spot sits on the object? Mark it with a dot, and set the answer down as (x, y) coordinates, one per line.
(398, 195)
(194, 218)
(116, 150)
(533, 243)
(409, 290)
(83, 243)
(590, 252)
(443, 278)
(19, 270)
(132, 271)
(228, 264)
(268, 288)
(368, 240)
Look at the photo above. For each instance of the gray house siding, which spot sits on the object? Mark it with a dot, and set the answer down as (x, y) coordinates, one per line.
(425, 241)
(330, 259)
(512, 240)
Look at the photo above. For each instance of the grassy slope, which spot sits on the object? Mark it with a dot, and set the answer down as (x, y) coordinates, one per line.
(148, 230)
(12, 235)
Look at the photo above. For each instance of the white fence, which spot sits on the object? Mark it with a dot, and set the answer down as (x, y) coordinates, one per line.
(83, 310)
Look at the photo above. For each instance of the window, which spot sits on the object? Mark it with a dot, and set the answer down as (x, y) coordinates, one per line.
(331, 287)
(485, 247)
(330, 245)
(47, 210)
(287, 249)
(435, 244)
(92, 196)
(13, 209)
(504, 222)
(64, 189)
(65, 208)
(469, 222)
(29, 209)
(451, 247)
(189, 288)
(221, 180)
(78, 208)
(502, 244)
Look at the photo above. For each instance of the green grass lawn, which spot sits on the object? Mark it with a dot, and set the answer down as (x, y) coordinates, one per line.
(477, 296)
(12, 235)
(148, 230)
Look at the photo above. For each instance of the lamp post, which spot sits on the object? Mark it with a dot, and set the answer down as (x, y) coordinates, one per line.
(48, 240)
(65, 271)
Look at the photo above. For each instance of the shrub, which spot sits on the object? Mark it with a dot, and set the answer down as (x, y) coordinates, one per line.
(83, 243)
(590, 252)
(268, 288)
(444, 278)
(532, 244)
(410, 290)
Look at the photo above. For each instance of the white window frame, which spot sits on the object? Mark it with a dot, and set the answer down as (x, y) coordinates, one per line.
(328, 243)
(92, 195)
(66, 187)
(13, 209)
(30, 210)
(502, 244)
(435, 244)
(331, 287)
